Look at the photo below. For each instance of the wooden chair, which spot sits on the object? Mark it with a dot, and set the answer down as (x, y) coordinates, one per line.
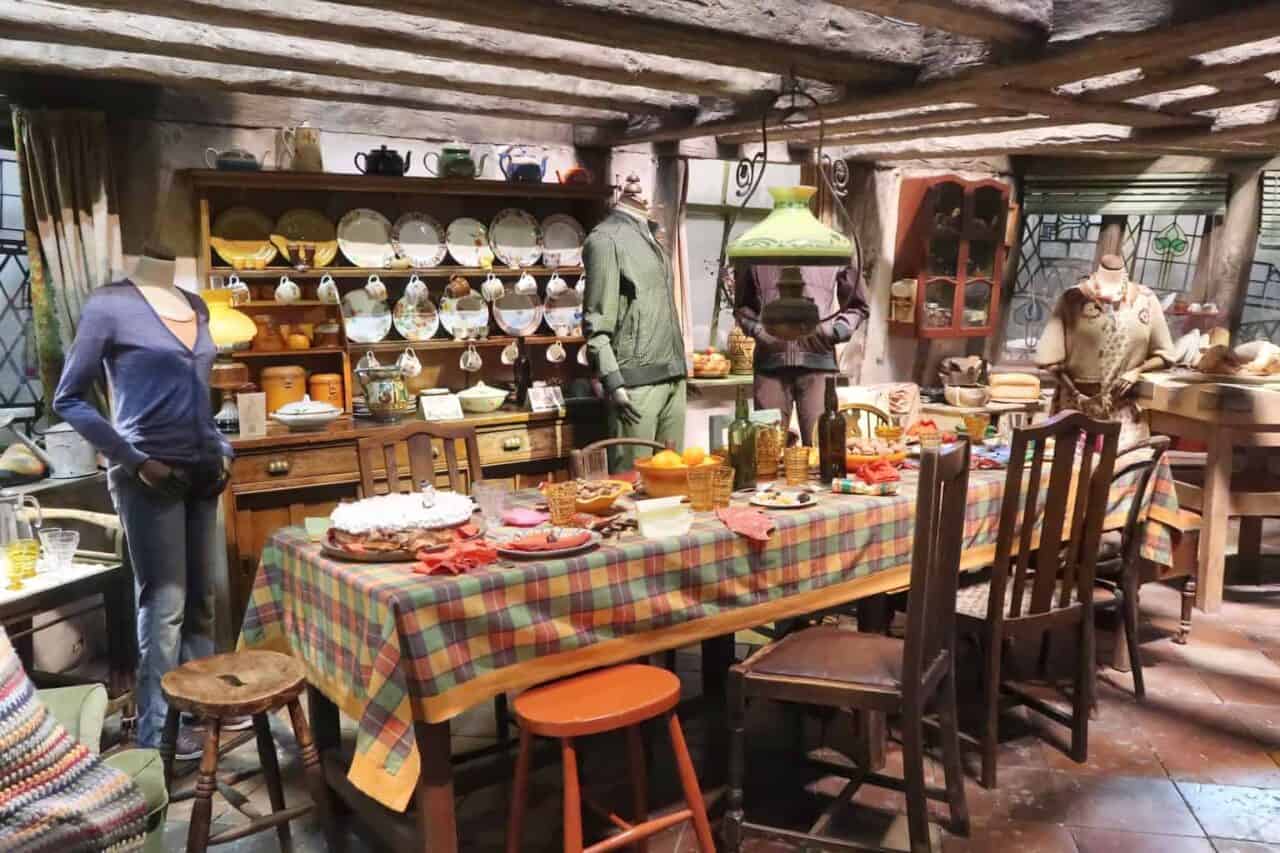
(607, 700)
(576, 457)
(245, 683)
(862, 419)
(1119, 568)
(1034, 590)
(421, 440)
(836, 667)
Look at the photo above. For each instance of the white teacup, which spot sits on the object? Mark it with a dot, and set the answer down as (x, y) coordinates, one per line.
(510, 353)
(408, 362)
(327, 290)
(556, 285)
(287, 291)
(239, 290)
(581, 285)
(556, 353)
(526, 285)
(415, 292)
(492, 288)
(376, 289)
(368, 361)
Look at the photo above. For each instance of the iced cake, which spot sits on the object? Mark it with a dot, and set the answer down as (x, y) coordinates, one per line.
(399, 522)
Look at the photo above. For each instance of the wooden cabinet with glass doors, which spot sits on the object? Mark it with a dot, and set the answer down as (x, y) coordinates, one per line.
(952, 244)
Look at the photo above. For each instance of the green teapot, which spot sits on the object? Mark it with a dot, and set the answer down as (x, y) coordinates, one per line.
(455, 161)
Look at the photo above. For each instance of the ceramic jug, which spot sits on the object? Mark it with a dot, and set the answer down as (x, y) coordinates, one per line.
(231, 160)
(298, 148)
(518, 163)
(455, 160)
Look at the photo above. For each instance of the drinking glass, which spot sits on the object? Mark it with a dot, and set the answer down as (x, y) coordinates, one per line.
(491, 497)
(975, 424)
(702, 487)
(796, 465)
(59, 546)
(562, 500)
(594, 464)
(721, 485)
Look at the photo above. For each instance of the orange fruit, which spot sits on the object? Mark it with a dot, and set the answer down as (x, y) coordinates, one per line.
(694, 456)
(667, 459)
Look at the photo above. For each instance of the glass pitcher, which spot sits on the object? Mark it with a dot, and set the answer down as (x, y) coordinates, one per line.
(19, 547)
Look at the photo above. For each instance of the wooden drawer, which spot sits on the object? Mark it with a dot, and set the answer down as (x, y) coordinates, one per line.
(525, 444)
(296, 464)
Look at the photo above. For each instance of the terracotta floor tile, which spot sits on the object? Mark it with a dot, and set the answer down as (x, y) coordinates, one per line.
(1022, 837)
(1207, 659)
(1247, 814)
(1245, 690)
(1163, 681)
(1137, 805)
(1212, 743)
(1118, 749)
(1113, 841)
(1227, 845)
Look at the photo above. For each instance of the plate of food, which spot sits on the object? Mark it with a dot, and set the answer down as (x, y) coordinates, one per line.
(544, 543)
(397, 527)
(598, 496)
(862, 451)
(775, 498)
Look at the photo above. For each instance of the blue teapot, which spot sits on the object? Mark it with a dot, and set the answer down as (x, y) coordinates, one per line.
(520, 164)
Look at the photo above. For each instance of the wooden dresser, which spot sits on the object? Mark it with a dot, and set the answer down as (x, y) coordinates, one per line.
(284, 477)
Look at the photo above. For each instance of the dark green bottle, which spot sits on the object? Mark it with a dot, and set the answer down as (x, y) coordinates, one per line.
(742, 444)
(831, 437)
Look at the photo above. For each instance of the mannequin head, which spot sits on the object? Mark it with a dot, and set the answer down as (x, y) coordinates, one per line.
(632, 200)
(1110, 278)
(155, 266)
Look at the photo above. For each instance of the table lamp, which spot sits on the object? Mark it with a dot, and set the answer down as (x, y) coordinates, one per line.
(232, 331)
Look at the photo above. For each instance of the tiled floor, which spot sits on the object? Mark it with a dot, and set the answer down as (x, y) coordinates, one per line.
(1195, 769)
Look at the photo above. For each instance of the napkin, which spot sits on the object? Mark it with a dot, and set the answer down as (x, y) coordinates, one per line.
(457, 559)
(751, 523)
(521, 517)
(546, 542)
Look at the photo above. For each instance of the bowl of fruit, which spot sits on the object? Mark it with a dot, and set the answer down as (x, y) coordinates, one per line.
(710, 364)
(864, 451)
(666, 474)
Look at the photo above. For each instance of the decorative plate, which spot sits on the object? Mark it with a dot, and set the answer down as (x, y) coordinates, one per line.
(516, 238)
(416, 322)
(303, 225)
(367, 320)
(784, 499)
(465, 316)
(420, 238)
(465, 238)
(518, 314)
(242, 237)
(562, 238)
(364, 236)
(503, 535)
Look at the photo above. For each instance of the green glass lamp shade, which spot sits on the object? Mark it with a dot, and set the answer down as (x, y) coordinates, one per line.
(791, 235)
(230, 328)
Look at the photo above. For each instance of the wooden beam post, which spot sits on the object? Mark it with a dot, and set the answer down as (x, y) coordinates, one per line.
(1111, 237)
(1236, 241)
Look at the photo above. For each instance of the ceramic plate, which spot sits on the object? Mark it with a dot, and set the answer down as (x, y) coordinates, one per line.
(782, 499)
(502, 535)
(465, 238)
(367, 320)
(516, 238)
(242, 237)
(562, 238)
(420, 238)
(416, 322)
(364, 236)
(461, 323)
(517, 314)
(303, 225)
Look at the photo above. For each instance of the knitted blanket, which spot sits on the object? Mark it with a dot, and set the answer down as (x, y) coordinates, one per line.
(55, 795)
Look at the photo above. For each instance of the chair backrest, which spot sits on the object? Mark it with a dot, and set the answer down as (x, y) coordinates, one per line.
(421, 439)
(575, 458)
(941, 503)
(1057, 576)
(860, 417)
(1138, 461)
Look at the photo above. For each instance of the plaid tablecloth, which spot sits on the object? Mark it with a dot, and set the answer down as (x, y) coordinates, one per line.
(389, 646)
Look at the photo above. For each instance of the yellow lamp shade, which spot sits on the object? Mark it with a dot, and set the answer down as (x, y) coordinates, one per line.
(791, 235)
(230, 328)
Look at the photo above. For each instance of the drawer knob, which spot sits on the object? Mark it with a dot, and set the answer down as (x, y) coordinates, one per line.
(278, 467)
(513, 443)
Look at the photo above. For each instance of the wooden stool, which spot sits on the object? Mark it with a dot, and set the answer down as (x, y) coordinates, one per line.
(603, 701)
(247, 683)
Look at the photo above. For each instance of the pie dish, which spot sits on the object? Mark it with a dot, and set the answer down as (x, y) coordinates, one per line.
(516, 238)
(399, 522)
(562, 239)
(466, 239)
(364, 236)
(420, 238)
(242, 237)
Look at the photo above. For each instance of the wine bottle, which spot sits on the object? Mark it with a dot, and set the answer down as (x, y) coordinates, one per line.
(831, 437)
(742, 444)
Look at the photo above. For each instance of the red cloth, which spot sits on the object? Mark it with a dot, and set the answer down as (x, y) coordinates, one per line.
(543, 542)
(457, 559)
(874, 473)
(751, 523)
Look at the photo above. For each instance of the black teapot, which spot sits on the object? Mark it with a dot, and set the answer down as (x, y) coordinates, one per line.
(384, 161)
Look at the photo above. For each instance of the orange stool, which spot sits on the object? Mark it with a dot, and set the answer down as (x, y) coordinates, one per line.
(594, 703)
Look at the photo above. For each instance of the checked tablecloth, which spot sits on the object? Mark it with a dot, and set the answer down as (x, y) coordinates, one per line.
(390, 646)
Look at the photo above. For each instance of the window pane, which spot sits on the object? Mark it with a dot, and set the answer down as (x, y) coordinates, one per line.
(19, 383)
(705, 233)
(1057, 250)
(939, 301)
(977, 303)
(982, 259)
(944, 256)
(1261, 317)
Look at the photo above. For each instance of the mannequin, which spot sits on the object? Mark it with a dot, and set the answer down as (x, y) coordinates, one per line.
(634, 343)
(168, 463)
(1104, 333)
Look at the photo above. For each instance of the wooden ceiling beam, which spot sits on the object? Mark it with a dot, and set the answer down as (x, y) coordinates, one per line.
(46, 58)
(1191, 73)
(853, 127)
(960, 129)
(1068, 109)
(963, 17)
(1264, 90)
(815, 40)
(316, 19)
(38, 20)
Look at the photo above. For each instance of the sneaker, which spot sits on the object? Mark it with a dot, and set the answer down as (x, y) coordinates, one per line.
(190, 745)
(230, 724)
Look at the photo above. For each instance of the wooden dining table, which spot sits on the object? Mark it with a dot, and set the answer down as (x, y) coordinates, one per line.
(404, 653)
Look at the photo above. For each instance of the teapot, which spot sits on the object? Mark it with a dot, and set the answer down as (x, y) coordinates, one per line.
(518, 163)
(454, 161)
(576, 175)
(384, 161)
(231, 160)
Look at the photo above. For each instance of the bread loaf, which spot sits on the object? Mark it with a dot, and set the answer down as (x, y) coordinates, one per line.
(1015, 387)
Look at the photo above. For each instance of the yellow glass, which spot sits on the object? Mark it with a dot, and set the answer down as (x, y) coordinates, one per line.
(721, 486)
(796, 465)
(22, 554)
(976, 425)
(562, 501)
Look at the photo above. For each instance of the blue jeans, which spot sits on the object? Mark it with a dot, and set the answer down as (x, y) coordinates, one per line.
(172, 548)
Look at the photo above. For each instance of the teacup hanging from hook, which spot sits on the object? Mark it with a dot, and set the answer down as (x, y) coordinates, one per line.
(368, 361)
(470, 360)
(556, 353)
(527, 284)
(415, 292)
(409, 363)
(327, 290)
(556, 285)
(376, 289)
(582, 356)
(492, 288)
(581, 285)
(510, 353)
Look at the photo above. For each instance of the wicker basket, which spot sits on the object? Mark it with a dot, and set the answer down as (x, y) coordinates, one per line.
(742, 350)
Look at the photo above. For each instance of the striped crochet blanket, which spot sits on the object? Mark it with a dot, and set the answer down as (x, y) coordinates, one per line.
(55, 795)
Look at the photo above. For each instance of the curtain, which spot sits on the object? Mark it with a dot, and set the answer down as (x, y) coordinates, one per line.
(72, 222)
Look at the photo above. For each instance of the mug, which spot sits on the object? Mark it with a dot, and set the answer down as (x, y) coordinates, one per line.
(415, 292)
(527, 284)
(470, 360)
(368, 362)
(492, 288)
(556, 285)
(327, 291)
(409, 363)
(287, 292)
(376, 289)
(239, 290)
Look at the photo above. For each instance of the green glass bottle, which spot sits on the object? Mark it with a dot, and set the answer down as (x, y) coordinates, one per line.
(742, 444)
(831, 437)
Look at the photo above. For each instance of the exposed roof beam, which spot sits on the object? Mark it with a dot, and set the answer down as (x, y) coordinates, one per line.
(959, 129)
(815, 39)
(986, 21)
(314, 19)
(857, 126)
(105, 64)
(37, 20)
(1069, 109)
(1264, 90)
(1192, 73)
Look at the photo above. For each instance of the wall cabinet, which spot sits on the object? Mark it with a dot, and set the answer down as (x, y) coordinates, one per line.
(952, 244)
